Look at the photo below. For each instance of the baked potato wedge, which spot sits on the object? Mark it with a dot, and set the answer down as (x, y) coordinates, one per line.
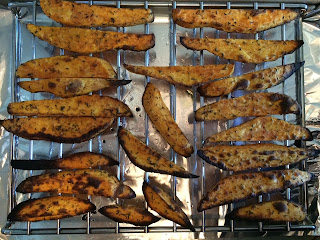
(159, 201)
(263, 129)
(82, 40)
(61, 130)
(82, 106)
(81, 160)
(147, 158)
(239, 187)
(163, 121)
(66, 67)
(233, 20)
(243, 50)
(70, 87)
(88, 181)
(259, 80)
(250, 105)
(129, 214)
(184, 75)
(50, 208)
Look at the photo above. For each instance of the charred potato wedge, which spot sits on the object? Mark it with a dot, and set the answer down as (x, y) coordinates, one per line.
(251, 105)
(50, 208)
(129, 214)
(84, 15)
(147, 158)
(233, 20)
(88, 181)
(263, 129)
(163, 121)
(159, 201)
(61, 130)
(243, 50)
(184, 75)
(82, 106)
(66, 67)
(82, 40)
(239, 187)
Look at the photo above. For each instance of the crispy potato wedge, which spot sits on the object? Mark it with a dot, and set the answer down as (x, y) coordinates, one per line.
(82, 40)
(84, 15)
(259, 80)
(81, 160)
(239, 187)
(159, 201)
(163, 121)
(83, 106)
(184, 75)
(241, 158)
(50, 208)
(251, 105)
(274, 211)
(233, 20)
(129, 214)
(147, 158)
(66, 67)
(263, 129)
(89, 181)
(62, 130)
(70, 87)
(243, 50)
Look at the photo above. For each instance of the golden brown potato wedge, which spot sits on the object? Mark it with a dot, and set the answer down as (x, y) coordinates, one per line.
(84, 15)
(66, 67)
(147, 158)
(251, 105)
(259, 80)
(88, 181)
(62, 130)
(233, 20)
(70, 87)
(82, 106)
(263, 129)
(239, 187)
(82, 40)
(82, 160)
(184, 75)
(129, 214)
(50, 208)
(159, 201)
(163, 121)
(243, 50)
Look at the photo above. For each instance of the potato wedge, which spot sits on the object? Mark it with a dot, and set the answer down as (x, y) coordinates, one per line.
(259, 80)
(66, 67)
(50, 208)
(243, 50)
(82, 40)
(82, 106)
(70, 87)
(129, 214)
(241, 158)
(81, 160)
(84, 15)
(159, 201)
(89, 181)
(147, 158)
(184, 75)
(251, 105)
(239, 187)
(263, 129)
(163, 121)
(62, 130)
(274, 211)
(233, 20)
